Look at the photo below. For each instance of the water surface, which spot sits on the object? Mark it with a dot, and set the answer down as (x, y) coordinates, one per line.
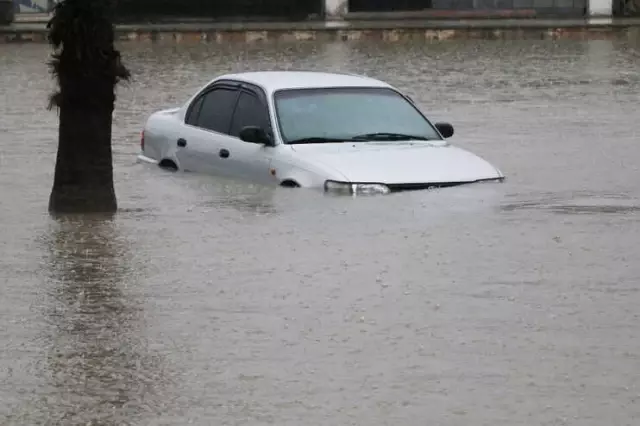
(206, 301)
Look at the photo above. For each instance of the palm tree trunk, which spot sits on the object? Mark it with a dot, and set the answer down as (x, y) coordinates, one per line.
(87, 67)
(83, 181)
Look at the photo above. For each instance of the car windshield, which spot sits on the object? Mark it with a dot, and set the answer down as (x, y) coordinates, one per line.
(349, 114)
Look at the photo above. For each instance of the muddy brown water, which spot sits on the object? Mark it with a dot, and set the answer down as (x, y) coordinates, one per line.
(208, 301)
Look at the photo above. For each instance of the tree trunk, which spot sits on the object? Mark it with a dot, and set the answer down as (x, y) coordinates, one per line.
(83, 181)
(87, 67)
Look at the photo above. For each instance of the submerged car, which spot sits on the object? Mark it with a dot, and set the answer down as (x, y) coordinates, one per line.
(337, 132)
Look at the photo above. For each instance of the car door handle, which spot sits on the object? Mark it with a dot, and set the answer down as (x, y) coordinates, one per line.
(224, 153)
(182, 142)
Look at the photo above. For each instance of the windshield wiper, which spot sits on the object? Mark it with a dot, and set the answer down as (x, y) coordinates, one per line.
(315, 139)
(383, 136)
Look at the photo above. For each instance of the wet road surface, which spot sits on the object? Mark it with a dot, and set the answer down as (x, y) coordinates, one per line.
(207, 301)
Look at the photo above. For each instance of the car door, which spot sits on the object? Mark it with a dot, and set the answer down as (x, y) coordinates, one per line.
(246, 160)
(206, 128)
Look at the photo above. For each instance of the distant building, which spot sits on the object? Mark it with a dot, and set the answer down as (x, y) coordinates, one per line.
(34, 6)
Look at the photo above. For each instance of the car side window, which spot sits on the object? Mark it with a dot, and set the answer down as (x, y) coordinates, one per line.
(249, 112)
(217, 109)
(192, 118)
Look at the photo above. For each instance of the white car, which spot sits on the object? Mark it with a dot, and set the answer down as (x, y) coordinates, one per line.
(337, 132)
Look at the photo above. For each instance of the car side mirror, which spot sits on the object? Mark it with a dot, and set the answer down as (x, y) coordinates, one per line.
(255, 134)
(445, 129)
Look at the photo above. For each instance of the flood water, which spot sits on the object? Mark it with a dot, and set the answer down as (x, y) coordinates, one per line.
(212, 302)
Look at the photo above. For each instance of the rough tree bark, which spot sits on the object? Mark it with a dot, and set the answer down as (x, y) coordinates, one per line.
(87, 68)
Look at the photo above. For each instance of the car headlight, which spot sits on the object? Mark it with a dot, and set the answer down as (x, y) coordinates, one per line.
(355, 188)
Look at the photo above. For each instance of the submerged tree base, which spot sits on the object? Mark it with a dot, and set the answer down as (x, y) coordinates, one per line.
(83, 181)
(78, 199)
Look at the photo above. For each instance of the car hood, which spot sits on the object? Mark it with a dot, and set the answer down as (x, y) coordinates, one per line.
(399, 162)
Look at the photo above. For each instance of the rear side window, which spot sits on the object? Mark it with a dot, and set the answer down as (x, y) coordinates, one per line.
(192, 118)
(216, 110)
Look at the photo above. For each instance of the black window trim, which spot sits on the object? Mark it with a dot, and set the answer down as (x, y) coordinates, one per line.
(219, 84)
(261, 96)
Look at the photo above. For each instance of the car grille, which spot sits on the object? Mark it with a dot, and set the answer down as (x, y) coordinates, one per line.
(397, 187)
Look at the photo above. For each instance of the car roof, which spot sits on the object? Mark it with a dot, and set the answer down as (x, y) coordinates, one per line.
(273, 81)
